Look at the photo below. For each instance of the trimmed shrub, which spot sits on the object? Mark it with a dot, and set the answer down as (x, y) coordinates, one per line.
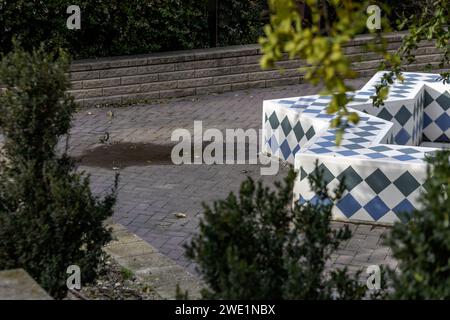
(421, 244)
(49, 218)
(258, 246)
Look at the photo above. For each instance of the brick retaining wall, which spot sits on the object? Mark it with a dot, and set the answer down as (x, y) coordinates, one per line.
(140, 78)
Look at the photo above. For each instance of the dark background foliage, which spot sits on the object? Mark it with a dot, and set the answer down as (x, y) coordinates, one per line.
(241, 21)
(422, 245)
(115, 27)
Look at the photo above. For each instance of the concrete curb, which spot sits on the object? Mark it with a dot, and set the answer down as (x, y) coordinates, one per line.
(150, 266)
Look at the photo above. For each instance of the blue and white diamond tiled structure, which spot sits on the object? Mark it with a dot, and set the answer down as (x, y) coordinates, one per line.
(380, 157)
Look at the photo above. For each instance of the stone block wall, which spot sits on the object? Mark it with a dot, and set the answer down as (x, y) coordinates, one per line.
(143, 78)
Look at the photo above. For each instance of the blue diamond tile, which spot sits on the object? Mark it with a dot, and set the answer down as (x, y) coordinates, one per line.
(273, 143)
(403, 157)
(359, 99)
(380, 148)
(295, 150)
(303, 174)
(425, 138)
(443, 122)
(327, 175)
(326, 144)
(364, 134)
(286, 126)
(286, 101)
(353, 146)
(320, 150)
(376, 208)
(311, 111)
(348, 205)
(402, 137)
(350, 177)
(302, 99)
(330, 138)
(299, 106)
(406, 183)
(320, 104)
(443, 138)
(310, 133)
(347, 153)
(404, 206)
(428, 99)
(285, 149)
(298, 131)
(365, 93)
(444, 100)
(408, 151)
(273, 120)
(368, 128)
(374, 123)
(359, 140)
(326, 116)
(385, 115)
(403, 115)
(375, 155)
(378, 181)
(316, 200)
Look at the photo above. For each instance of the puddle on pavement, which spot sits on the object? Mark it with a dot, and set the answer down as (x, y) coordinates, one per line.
(121, 155)
(126, 154)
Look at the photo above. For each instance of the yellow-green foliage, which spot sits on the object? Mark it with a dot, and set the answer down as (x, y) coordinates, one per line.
(320, 42)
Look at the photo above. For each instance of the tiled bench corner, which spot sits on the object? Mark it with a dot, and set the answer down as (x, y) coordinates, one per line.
(381, 156)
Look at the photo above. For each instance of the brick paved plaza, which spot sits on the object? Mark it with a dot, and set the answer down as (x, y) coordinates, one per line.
(151, 194)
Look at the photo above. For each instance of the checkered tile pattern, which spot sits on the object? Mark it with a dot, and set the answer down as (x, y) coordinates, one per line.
(407, 119)
(352, 147)
(372, 193)
(436, 122)
(408, 89)
(387, 163)
(285, 136)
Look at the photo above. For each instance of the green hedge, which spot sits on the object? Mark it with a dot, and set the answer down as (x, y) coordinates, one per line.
(117, 27)
(241, 21)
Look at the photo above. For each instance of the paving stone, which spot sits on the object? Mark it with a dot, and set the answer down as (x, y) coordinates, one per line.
(17, 284)
(363, 229)
(378, 256)
(152, 268)
(344, 259)
(371, 241)
(361, 257)
(128, 249)
(389, 261)
(123, 236)
(344, 252)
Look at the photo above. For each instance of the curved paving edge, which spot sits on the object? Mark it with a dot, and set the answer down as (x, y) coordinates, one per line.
(380, 157)
(161, 273)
